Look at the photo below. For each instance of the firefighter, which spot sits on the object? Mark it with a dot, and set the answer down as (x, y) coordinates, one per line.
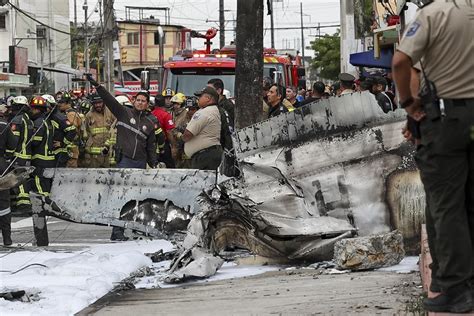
(64, 132)
(42, 145)
(23, 130)
(98, 124)
(168, 93)
(179, 115)
(7, 147)
(74, 118)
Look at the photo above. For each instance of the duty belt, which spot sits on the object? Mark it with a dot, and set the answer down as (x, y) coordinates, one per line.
(205, 150)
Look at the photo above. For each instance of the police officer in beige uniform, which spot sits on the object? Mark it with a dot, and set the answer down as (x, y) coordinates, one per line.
(442, 38)
(202, 135)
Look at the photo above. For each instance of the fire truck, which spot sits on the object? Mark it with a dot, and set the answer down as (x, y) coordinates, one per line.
(189, 71)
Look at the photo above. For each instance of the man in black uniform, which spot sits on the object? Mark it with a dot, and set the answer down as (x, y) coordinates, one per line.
(42, 144)
(275, 95)
(21, 120)
(7, 146)
(136, 138)
(223, 102)
(440, 38)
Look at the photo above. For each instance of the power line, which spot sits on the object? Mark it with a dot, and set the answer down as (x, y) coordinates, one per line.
(37, 21)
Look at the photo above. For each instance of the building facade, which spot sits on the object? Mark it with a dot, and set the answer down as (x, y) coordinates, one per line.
(41, 29)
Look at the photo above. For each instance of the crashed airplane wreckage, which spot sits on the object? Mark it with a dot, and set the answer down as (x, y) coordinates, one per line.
(308, 178)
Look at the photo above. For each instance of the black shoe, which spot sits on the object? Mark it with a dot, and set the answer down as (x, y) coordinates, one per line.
(452, 301)
(7, 241)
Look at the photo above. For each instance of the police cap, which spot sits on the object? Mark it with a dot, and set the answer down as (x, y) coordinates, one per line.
(208, 90)
(345, 77)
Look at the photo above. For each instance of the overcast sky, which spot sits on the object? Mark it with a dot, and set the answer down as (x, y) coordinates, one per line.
(199, 14)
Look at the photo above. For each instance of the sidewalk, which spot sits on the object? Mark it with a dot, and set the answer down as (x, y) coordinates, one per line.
(289, 292)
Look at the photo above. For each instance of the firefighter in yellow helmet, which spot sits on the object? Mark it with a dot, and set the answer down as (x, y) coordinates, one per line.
(168, 93)
(99, 122)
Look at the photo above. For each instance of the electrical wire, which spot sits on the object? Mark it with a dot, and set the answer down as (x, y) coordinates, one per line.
(37, 21)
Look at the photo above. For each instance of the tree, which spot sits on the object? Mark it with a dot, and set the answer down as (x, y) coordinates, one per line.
(327, 56)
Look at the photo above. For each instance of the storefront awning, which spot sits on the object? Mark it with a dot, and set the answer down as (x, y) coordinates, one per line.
(366, 59)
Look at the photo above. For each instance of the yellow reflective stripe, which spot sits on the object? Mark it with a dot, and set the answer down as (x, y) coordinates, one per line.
(23, 202)
(18, 155)
(10, 151)
(161, 145)
(25, 141)
(38, 138)
(99, 130)
(43, 157)
(158, 131)
(23, 195)
(291, 109)
(38, 186)
(70, 128)
(94, 150)
(67, 142)
(55, 124)
(16, 133)
(60, 150)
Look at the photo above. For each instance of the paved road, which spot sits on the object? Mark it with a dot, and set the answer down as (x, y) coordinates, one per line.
(296, 292)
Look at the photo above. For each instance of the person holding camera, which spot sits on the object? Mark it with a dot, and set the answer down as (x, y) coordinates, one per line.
(440, 40)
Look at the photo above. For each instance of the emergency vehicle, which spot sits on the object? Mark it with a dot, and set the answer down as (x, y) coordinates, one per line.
(189, 71)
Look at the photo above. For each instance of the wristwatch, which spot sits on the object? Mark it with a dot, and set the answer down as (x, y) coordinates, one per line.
(407, 102)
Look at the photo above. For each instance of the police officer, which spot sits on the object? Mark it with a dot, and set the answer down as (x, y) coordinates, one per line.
(98, 124)
(202, 135)
(7, 146)
(441, 39)
(347, 83)
(43, 155)
(275, 96)
(23, 131)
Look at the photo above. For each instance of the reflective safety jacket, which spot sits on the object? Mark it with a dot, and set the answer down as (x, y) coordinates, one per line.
(42, 145)
(135, 130)
(22, 127)
(64, 135)
(74, 118)
(98, 130)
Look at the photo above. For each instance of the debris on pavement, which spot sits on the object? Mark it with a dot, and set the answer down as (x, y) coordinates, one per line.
(371, 252)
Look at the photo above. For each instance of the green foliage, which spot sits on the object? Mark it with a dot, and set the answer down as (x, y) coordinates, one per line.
(327, 56)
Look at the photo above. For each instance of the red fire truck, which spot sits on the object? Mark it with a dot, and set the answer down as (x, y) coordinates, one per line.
(190, 71)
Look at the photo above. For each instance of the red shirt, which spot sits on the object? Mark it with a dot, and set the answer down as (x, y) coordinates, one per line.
(165, 119)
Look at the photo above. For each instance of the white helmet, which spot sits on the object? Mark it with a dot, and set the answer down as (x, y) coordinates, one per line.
(3, 108)
(124, 100)
(20, 100)
(49, 98)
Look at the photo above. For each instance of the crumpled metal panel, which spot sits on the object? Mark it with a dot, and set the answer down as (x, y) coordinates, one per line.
(154, 201)
(15, 177)
(337, 152)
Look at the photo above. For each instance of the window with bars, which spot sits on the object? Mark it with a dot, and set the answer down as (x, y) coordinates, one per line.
(132, 38)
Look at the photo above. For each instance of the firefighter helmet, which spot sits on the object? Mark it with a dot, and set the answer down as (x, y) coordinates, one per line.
(168, 92)
(38, 102)
(20, 100)
(49, 98)
(178, 98)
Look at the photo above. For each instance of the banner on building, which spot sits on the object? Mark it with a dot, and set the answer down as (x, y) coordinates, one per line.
(18, 60)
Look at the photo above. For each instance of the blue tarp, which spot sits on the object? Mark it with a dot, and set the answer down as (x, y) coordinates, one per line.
(366, 59)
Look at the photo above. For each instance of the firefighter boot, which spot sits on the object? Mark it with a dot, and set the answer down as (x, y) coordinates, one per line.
(5, 226)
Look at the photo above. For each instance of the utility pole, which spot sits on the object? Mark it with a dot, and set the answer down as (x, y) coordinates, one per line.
(272, 25)
(302, 34)
(75, 14)
(86, 37)
(221, 24)
(108, 41)
(249, 63)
